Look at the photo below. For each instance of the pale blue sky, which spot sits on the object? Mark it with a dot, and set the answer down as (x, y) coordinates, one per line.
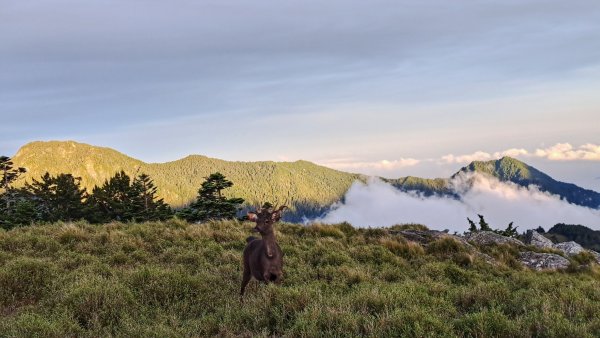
(344, 83)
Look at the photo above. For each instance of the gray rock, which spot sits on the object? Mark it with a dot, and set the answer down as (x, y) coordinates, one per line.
(536, 239)
(426, 236)
(488, 237)
(543, 261)
(597, 255)
(569, 248)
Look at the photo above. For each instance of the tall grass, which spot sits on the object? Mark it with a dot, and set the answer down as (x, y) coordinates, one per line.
(175, 279)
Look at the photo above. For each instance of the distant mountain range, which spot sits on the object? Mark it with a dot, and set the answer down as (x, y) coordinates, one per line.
(506, 169)
(309, 188)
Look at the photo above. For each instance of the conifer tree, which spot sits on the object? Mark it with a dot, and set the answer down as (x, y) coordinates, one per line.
(8, 173)
(510, 231)
(111, 201)
(122, 199)
(483, 225)
(144, 203)
(210, 203)
(472, 226)
(57, 198)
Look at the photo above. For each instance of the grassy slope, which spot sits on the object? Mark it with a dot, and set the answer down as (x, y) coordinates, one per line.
(302, 182)
(175, 279)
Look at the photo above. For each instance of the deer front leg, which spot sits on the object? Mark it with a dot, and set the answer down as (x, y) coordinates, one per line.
(245, 279)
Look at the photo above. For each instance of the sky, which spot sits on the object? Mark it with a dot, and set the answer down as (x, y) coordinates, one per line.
(388, 88)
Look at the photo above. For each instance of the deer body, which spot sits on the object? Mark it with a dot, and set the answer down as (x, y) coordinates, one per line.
(263, 258)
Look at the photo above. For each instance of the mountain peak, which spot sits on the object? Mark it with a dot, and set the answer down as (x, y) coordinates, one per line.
(508, 169)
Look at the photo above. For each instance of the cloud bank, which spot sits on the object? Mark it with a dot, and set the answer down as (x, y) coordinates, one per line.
(378, 204)
(557, 152)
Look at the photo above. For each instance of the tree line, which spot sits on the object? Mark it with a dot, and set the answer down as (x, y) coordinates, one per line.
(121, 198)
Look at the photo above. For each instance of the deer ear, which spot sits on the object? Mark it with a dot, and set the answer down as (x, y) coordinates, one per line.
(276, 216)
(252, 216)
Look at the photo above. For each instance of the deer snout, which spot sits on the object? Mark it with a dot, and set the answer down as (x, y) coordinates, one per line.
(255, 229)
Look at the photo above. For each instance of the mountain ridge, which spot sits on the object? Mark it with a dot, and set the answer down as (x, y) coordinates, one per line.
(310, 188)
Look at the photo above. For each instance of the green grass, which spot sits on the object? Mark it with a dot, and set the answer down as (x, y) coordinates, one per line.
(175, 279)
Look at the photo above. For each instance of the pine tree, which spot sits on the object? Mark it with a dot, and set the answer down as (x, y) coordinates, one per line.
(12, 208)
(144, 203)
(472, 226)
(111, 201)
(210, 203)
(8, 173)
(510, 231)
(57, 198)
(483, 225)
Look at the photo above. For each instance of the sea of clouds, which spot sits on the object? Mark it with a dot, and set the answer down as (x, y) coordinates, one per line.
(379, 204)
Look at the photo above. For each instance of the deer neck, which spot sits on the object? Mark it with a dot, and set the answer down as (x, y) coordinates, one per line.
(269, 240)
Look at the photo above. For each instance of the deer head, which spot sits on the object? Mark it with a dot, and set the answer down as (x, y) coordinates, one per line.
(265, 217)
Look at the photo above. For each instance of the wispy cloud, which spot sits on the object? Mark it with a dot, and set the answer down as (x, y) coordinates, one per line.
(557, 152)
(349, 164)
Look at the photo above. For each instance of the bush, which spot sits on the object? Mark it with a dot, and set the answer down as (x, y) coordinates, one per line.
(25, 280)
(445, 247)
(99, 303)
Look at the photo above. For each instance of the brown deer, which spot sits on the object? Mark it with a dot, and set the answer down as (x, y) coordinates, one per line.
(263, 258)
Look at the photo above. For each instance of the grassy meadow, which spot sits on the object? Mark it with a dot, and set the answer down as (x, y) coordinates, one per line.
(175, 279)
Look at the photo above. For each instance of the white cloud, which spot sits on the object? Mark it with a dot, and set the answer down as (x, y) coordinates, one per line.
(476, 156)
(513, 152)
(557, 152)
(566, 152)
(379, 204)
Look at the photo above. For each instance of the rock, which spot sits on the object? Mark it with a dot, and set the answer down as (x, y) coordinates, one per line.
(425, 237)
(536, 239)
(570, 248)
(543, 261)
(489, 237)
(597, 255)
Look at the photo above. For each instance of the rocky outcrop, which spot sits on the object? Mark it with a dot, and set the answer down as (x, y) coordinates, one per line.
(426, 236)
(489, 237)
(536, 239)
(543, 261)
(597, 255)
(569, 248)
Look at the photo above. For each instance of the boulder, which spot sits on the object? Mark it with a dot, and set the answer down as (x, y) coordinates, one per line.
(597, 255)
(536, 239)
(543, 261)
(570, 248)
(489, 237)
(426, 236)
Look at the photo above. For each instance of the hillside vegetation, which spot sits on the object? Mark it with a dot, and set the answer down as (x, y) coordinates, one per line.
(302, 184)
(308, 188)
(176, 279)
(588, 238)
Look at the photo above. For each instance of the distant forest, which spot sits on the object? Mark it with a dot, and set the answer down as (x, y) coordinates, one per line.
(309, 189)
(122, 198)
